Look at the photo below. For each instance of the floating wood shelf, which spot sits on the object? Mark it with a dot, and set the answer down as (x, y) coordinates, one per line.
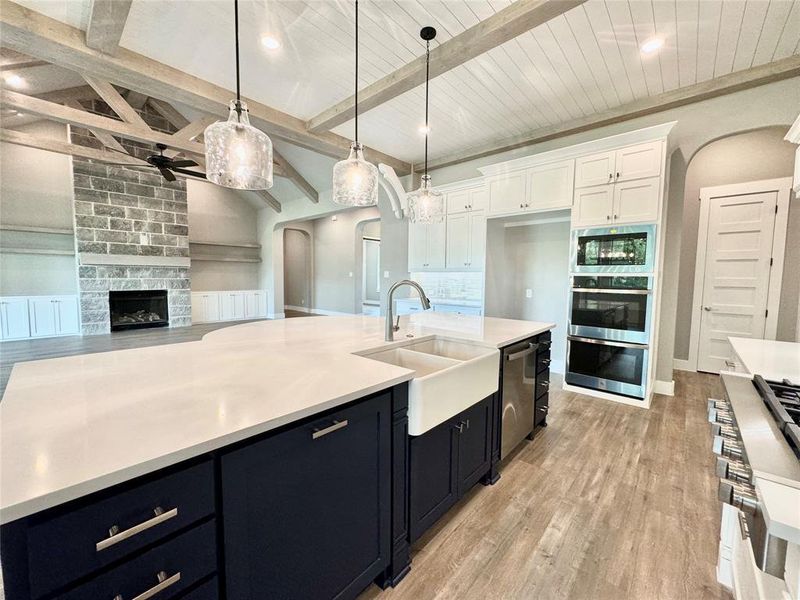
(45, 251)
(32, 229)
(225, 244)
(225, 259)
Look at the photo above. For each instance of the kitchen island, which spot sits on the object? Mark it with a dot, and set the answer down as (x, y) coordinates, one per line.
(84, 431)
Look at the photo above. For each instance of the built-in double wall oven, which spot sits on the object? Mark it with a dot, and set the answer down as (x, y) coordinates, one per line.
(611, 309)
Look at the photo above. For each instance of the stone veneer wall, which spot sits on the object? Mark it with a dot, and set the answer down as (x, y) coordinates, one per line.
(130, 212)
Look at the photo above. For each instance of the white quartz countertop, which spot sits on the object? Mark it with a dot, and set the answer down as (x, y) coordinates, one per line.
(75, 425)
(772, 360)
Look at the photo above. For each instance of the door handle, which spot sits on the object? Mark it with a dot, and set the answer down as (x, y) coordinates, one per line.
(118, 536)
(707, 308)
(163, 583)
(318, 433)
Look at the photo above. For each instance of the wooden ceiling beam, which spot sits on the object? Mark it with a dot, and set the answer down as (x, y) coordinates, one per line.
(195, 129)
(287, 170)
(108, 140)
(107, 20)
(269, 200)
(510, 22)
(22, 64)
(166, 110)
(32, 141)
(73, 116)
(25, 30)
(784, 68)
(114, 99)
(81, 92)
(135, 99)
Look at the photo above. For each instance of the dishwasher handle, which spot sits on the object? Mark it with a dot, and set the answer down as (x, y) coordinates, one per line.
(522, 353)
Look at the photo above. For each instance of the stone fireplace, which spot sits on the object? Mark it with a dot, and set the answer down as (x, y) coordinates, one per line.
(131, 231)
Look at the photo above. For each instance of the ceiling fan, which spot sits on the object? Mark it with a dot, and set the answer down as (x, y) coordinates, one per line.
(166, 166)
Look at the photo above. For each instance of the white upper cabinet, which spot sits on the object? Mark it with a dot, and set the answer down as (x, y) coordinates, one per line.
(593, 206)
(477, 240)
(597, 169)
(507, 193)
(466, 241)
(14, 321)
(426, 247)
(474, 198)
(638, 162)
(550, 186)
(636, 201)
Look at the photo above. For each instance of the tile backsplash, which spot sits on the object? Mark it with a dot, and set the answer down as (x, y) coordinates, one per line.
(451, 285)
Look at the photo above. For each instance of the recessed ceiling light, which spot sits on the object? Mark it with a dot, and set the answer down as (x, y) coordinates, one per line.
(424, 130)
(270, 43)
(652, 45)
(14, 81)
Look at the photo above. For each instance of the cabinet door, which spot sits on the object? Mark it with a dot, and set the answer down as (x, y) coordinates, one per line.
(596, 169)
(307, 511)
(457, 201)
(42, 315)
(593, 206)
(474, 444)
(507, 193)
(434, 476)
(199, 308)
(551, 186)
(437, 245)
(67, 318)
(458, 233)
(637, 162)
(14, 318)
(213, 306)
(636, 201)
(417, 246)
(478, 199)
(477, 240)
(255, 304)
(232, 306)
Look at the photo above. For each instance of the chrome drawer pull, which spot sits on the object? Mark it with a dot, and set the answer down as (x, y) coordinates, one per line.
(318, 433)
(745, 530)
(163, 583)
(116, 536)
(546, 361)
(545, 384)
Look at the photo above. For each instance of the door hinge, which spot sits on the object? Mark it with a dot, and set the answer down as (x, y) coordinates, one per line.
(776, 209)
(770, 261)
(766, 313)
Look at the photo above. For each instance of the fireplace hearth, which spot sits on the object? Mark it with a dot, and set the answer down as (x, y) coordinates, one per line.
(138, 309)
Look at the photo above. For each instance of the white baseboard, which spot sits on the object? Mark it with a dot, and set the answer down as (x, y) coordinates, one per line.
(304, 309)
(279, 315)
(665, 388)
(682, 364)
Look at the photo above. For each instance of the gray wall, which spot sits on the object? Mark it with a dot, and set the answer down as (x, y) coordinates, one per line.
(297, 267)
(535, 257)
(750, 156)
(222, 215)
(36, 190)
(774, 104)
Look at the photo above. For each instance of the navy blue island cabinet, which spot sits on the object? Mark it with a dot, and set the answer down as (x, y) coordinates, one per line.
(315, 509)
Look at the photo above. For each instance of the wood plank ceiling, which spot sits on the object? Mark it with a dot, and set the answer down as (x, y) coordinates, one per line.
(579, 64)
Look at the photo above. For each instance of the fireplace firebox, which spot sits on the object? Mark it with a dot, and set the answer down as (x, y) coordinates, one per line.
(138, 309)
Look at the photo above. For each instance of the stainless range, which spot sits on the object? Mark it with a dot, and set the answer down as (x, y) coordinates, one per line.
(754, 429)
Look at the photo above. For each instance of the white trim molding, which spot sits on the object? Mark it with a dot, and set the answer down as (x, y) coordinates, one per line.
(782, 186)
(665, 388)
(134, 260)
(683, 364)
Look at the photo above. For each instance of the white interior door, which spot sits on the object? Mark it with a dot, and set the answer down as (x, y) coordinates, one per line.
(735, 289)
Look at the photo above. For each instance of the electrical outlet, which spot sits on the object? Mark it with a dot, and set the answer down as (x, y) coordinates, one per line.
(529, 293)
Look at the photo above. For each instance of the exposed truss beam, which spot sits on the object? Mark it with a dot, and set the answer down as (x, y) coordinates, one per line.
(106, 22)
(166, 110)
(195, 129)
(114, 99)
(512, 21)
(269, 200)
(727, 84)
(135, 99)
(291, 173)
(28, 31)
(108, 140)
(73, 116)
(81, 92)
(22, 64)
(51, 145)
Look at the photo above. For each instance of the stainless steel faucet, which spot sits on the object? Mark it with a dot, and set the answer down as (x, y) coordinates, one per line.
(391, 327)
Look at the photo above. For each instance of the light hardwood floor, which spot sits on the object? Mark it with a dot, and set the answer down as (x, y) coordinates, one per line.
(608, 502)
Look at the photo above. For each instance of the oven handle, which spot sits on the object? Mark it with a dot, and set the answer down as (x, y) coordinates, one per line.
(575, 338)
(612, 291)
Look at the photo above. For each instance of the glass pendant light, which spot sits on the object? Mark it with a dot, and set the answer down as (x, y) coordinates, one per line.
(238, 155)
(355, 181)
(426, 205)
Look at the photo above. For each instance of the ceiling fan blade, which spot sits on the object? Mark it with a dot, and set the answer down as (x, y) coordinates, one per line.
(128, 165)
(190, 173)
(167, 174)
(182, 163)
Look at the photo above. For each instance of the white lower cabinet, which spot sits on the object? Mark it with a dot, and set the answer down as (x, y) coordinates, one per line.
(14, 320)
(53, 315)
(234, 305)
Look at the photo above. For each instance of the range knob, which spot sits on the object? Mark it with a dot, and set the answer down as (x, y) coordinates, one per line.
(726, 447)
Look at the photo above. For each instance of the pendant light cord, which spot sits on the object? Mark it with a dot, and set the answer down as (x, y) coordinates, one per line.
(427, 79)
(238, 85)
(356, 85)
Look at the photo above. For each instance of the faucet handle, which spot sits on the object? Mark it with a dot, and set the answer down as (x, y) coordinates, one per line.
(396, 324)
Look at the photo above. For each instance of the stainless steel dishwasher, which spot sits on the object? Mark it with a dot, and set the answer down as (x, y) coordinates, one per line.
(519, 377)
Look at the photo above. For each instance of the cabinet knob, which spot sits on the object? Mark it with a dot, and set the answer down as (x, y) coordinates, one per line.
(610, 176)
(608, 217)
(617, 174)
(615, 217)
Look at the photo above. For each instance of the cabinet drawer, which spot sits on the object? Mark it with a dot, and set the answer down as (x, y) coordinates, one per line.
(542, 383)
(542, 361)
(75, 536)
(540, 409)
(175, 566)
(205, 591)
